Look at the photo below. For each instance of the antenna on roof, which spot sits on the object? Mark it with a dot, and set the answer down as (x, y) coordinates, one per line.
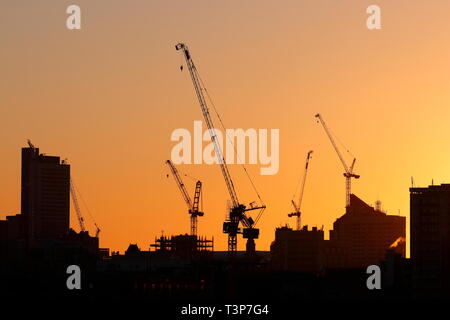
(378, 205)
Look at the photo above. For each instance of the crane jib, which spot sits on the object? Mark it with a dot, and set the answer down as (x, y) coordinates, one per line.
(237, 212)
(210, 124)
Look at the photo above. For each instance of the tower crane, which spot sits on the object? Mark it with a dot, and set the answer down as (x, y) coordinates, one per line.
(237, 213)
(74, 191)
(76, 206)
(193, 206)
(297, 206)
(348, 174)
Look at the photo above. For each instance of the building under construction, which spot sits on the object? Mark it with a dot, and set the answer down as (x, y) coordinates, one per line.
(185, 246)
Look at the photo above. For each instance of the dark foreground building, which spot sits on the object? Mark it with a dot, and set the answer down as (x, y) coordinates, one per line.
(430, 240)
(365, 233)
(298, 250)
(45, 200)
(39, 239)
(360, 238)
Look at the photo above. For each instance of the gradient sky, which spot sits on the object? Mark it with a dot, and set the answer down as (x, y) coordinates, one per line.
(107, 97)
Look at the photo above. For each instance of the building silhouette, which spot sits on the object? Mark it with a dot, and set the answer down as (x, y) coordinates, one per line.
(359, 238)
(298, 250)
(187, 246)
(365, 233)
(40, 238)
(430, 240)
(45, 197)
(37, 245)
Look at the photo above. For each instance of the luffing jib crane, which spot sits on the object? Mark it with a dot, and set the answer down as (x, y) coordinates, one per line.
(78, 211)
(76, 206)
(348, 174)
(238, 211)
(297, 206)
(193, 206)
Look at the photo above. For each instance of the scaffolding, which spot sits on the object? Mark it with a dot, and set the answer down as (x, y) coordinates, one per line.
(183, 245)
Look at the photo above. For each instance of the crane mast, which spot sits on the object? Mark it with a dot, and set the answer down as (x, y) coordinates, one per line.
(297, 206)
(237, 212)
(193, 206)
(196, 207)
(348, 174)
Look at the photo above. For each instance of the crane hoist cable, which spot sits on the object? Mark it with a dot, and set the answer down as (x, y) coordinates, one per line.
(231, 143)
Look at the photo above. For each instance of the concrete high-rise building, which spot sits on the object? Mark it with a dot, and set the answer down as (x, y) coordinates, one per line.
(299, 250)
(365, 233)
(430, 240)
(45, 200)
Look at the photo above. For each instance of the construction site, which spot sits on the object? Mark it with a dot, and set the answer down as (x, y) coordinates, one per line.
(239, 221)
(186, 265)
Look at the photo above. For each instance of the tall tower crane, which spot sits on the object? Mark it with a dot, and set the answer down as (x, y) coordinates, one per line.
(297, 206)
(348, 174)
(193, 206)
(238, 211)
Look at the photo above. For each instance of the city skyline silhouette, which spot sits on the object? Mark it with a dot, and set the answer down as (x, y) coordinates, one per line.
(382, 99)
(93, 115)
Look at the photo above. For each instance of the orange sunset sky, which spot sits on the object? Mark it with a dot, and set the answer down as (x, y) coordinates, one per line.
(108, 97)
